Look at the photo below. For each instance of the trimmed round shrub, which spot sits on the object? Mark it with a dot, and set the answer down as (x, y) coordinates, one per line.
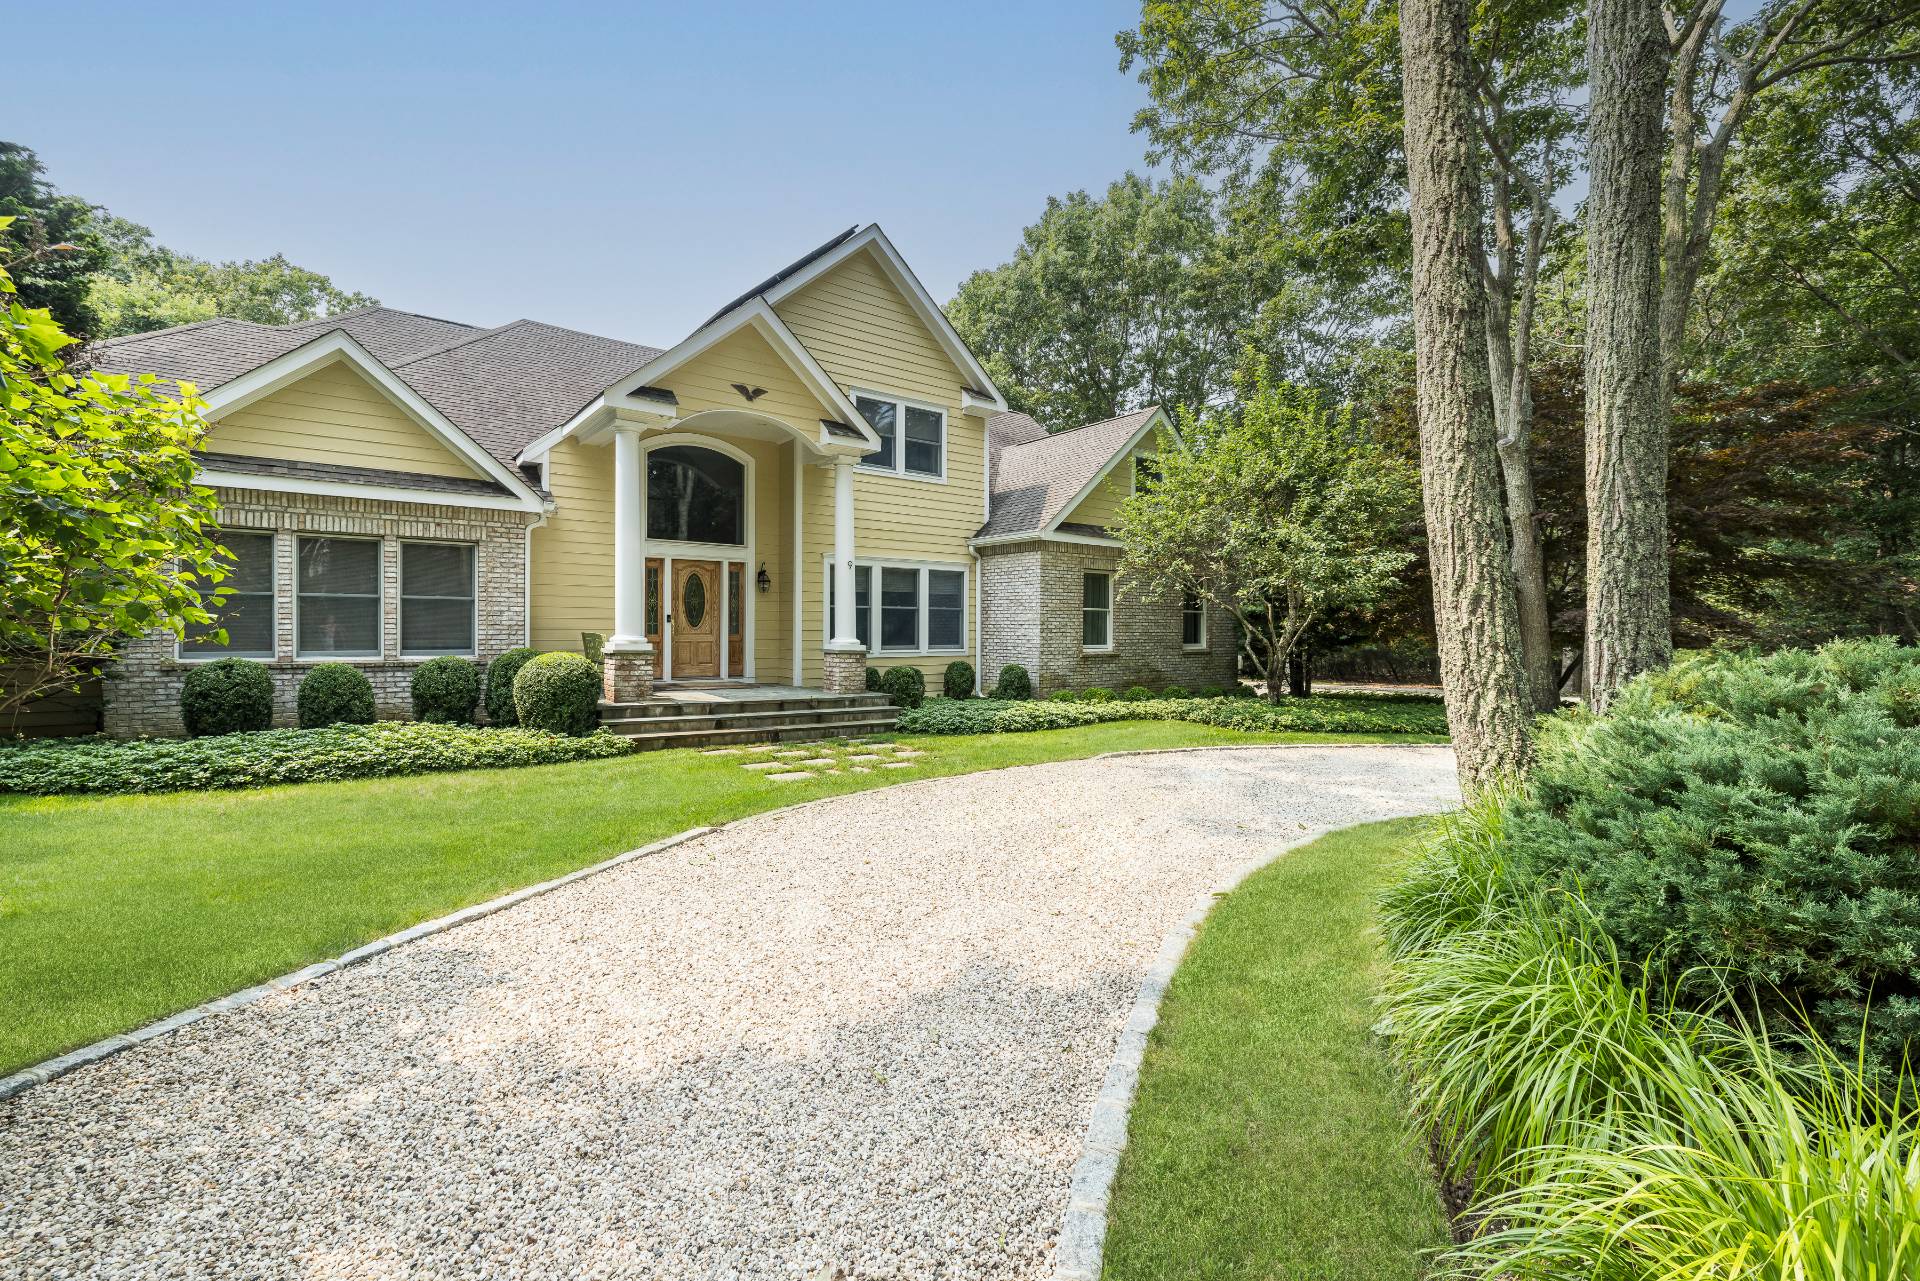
(1014, 684)
(1137, 694)
(1097, 694)
(500, 674)
(226, 696)
(1175, 691)
(957, 682)
(334, 694)
(446, 690)
(904, 685)
(873, 680)
(1064, 696)
(559, 693)
(1750, 821)
(1212, 691)
(1240, 689)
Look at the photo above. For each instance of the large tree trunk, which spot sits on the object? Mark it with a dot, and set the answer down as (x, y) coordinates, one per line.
(1474, 613)
(1513, 435)
(1629, 626)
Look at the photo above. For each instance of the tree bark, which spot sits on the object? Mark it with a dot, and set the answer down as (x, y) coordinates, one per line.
(1474, 612)
(1629, 612)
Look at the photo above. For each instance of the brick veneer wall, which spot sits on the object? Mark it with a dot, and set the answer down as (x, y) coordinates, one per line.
(1033, 606)
(142, 689)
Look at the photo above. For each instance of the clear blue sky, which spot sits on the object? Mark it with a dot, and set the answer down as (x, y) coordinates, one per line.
(622, 169)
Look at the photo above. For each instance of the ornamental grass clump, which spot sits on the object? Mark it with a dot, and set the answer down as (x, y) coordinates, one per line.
(446, 690)
(334, 694)
(226, 696)
(500, 674)
(558, 693)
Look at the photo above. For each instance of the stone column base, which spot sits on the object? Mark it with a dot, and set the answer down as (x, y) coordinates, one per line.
(626, 677)
(845, 671)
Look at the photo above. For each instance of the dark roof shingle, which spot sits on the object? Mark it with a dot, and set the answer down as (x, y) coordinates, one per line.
(1034, 476)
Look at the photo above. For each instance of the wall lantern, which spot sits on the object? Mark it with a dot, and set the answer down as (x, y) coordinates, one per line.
(761, 580)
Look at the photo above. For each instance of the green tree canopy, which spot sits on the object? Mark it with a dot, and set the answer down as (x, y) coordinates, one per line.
(55, 279)
(103, 532)
(1278, 510)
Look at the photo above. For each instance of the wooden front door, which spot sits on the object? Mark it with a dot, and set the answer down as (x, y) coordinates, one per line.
(695, 617)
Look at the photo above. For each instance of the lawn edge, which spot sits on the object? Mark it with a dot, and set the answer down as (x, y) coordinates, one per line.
(18, 1082)
(1081, 1250)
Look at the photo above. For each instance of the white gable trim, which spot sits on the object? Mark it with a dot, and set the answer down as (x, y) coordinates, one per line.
(760, 317)
(1158, 418)
(897, 271)
(1001, 540)
(338, 346)
(355, 489)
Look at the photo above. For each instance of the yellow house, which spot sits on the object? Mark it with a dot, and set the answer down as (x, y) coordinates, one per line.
(396, 487)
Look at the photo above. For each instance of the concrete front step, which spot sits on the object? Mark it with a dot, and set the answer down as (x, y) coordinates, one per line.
(671, 708)
(650, 739)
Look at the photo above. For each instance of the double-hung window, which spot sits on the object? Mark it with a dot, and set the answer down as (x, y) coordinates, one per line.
(1096, 611)
(246, 613)
(913, 438)
(1193, 622)
(337, 598)
(917, 609)
(436, 599)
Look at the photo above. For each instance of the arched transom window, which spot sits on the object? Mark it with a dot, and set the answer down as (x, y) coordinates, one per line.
(696, 495)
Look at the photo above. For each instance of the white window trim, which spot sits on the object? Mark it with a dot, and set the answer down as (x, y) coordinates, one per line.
(180, 654)
(1201, 609)
(400, 600)
(1085, 609)
(874, 567)
(380, 595)
(900, 405)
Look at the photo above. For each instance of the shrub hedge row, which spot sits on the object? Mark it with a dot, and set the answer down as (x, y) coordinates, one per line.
(52, 766)
(1331, 714)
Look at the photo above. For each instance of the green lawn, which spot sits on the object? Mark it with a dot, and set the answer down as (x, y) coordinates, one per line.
(118, 910)
(1269, 1138)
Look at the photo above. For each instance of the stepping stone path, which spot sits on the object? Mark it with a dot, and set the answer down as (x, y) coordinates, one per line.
(828, 757)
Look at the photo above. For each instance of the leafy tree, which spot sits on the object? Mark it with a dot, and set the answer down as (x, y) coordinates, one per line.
(42, 218)
(1278, 511)
(1110, 304)
(103, 532)
(144, 286)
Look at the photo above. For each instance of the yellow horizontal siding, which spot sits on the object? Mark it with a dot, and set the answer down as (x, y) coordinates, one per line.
(335, 415)
(1100, 506)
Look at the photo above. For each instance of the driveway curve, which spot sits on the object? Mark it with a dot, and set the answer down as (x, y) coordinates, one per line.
(855, 1039)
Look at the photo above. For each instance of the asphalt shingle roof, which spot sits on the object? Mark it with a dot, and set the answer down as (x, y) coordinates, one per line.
(249, 465)
(504, 387)
(1034, 474)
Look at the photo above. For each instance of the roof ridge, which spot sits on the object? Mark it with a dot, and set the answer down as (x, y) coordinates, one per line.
(361, 311)
(797, 264)
(177, 329)
(462, 341)
(588, 333)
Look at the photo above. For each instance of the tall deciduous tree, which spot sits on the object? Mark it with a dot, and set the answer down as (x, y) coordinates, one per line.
(1477, 623)
(1278, 511)
(41, 218)
(103, 532)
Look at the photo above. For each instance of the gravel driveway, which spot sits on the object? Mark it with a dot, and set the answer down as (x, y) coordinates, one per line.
(857, 1039)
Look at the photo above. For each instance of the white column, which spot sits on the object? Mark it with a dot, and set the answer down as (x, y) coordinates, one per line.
(845, 635)
(629, 550)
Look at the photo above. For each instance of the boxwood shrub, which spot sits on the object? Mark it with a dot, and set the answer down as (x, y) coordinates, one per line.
(1064, 696)
(957, 681)
(226, 696)
(559, 693)
(1752, 819)
(500, 674)
(873, 680)
(904, 685)
(1175, 691)
(334, 694)
(52, 766)
(1014, 684)
(446, 690)
(1209, 691)
(1097, 694)
(1137, 694)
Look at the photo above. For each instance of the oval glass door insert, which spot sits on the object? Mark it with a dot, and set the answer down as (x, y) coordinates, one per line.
(693, 600)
